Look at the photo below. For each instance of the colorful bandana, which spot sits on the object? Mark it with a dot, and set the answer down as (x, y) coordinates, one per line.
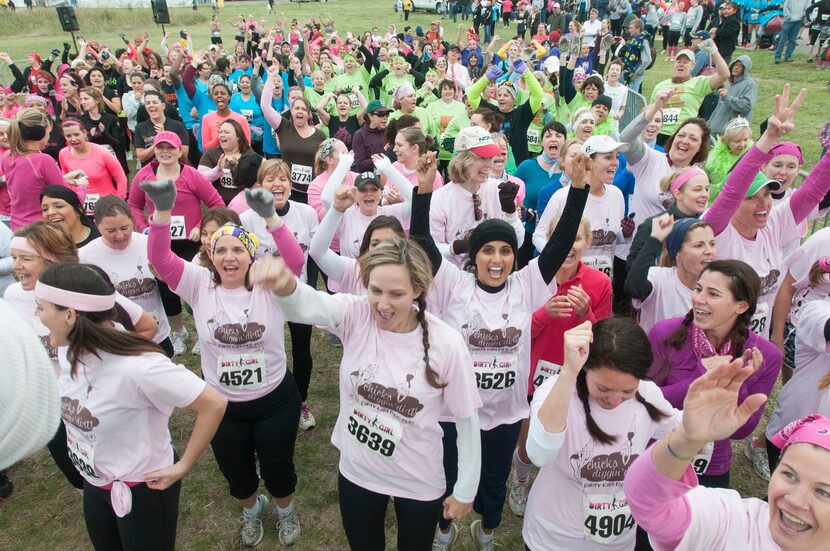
(248, 239)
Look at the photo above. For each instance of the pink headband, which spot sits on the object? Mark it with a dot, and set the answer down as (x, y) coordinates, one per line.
(22, 244)
(73, 122)
(82, 302)
(813, 429)
(787, 148)
(685, 177)
(824, 264)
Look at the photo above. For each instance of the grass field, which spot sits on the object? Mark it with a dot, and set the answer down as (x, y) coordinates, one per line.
(45, 513)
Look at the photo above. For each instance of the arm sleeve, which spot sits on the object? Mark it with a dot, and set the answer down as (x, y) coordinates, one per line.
(542, 446)
(535, 89)
(288, 247)
(188, 76)
(271, 116)
(468, 442)
(734, 189)
(640, 236)
(419, 229)
(312, 307)
(168, 266)
(474, 93)
(332, 264)
(399, 181)
(636, 282)
(631, 136)
(560, 243)
(334, 181)
(812, 191)
(566, 84)
(117, 173)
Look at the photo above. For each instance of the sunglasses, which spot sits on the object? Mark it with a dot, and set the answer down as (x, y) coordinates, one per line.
(477, 212)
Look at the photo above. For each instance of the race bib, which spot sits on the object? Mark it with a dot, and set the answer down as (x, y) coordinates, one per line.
(241, 371)
(301, 174)
(607, 516)
(671, 115)
(177, 227)
(89, 202)
(532, 136)
(760, 319)
(380, 434)
(602, 263)
(354, 101)
(248, 114)
(544, 371)
(82, 454)
(495, 372)
(226, 180)
(701, 461)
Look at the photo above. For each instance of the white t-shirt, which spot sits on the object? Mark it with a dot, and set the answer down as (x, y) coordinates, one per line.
(799, 264)
(129, 271)
(800, 396)
(241, 335)
(605, 214)
(669, 298)
(300, 219)
(582, 483)
(116, 411)
(387, 430)
(496, 331)
(452, 215)
(353, 225)
(764, 254)
(619, 97)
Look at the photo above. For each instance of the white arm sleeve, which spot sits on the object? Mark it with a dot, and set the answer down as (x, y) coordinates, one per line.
(518, 227)
(399, 181)
(332, 264)
(309, 306)
(335, 181)
(469, 458)
(542, 446)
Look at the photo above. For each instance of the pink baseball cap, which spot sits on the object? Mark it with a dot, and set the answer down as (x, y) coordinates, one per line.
(813, 429)
(167, 137)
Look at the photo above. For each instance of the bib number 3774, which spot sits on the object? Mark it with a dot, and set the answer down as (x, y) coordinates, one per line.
(607, 516)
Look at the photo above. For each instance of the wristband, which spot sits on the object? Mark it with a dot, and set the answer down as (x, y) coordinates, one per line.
(674, 453)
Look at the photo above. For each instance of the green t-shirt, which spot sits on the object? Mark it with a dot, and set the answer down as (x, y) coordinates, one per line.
(346, 81)
(442, 115)
(427, 125)
(684, 103)
(534, 130)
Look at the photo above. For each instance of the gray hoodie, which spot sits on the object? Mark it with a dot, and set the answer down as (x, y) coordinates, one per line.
(794, 9)
(739, 99)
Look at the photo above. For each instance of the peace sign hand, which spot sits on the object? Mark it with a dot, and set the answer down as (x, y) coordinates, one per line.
(781, 122)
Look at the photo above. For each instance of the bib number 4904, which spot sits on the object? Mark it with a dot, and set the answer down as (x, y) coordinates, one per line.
(607, 526)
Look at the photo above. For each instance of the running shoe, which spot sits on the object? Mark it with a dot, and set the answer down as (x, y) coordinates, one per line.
(289, 528)
(252, 531)
(6, 486)
(439, 545)
(307, 421)
(196, 348)
(179, 340)
(335, 341)
(518, 495)
(758, 457)
(481, 546)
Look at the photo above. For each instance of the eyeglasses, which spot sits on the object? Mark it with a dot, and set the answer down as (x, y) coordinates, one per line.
(477, 212)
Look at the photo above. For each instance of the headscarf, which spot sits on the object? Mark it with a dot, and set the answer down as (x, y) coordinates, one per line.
(248, 239)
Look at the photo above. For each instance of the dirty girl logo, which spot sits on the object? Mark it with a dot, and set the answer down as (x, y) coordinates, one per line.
(768, 282)
(74, 413)
(137, 286)
(604, 468)
(397, 400)
(502, 339)
(602, 237)
(224, 330)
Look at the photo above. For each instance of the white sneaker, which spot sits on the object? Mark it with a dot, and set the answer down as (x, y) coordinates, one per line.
(518, 495)
(758, 456)
(307, 420)
(252, 531)
(439, 545)
(196, 348)
(481, 546)
(289, 528)
(179, 341)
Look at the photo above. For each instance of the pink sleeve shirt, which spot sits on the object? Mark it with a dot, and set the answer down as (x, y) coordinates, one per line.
(26, 176)
(211, 123)
(102, 169)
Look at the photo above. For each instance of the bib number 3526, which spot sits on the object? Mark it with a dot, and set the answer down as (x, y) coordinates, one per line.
(495, 372)
(607, 516)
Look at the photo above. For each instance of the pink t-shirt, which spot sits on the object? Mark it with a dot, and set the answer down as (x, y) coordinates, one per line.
(669, 298)
(26, 176)
(116, 413)
(412, 176)
(129, 271)
(452, 215)
(5, 198)
(799, 264)
(300, 219)
(101, 168)
(211, 123)
(192, 189)
(353, 225)
(350, 282)
(496, 330)
(387, 430)
(605, 214)
(315, 191)
(580, 483)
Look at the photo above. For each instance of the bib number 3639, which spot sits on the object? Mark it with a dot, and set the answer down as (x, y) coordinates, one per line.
(378, 433)
(607, 516)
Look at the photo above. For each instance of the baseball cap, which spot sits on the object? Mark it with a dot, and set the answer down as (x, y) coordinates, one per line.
(376, 107)
(477, 140)
(688, 53)
(556, 5)
(365, 178)
(602, 144)
(761, 181)
(167, 137)
(551, 64)
(703, 35)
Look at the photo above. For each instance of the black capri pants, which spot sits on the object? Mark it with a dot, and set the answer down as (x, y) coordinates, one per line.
(151, 524)
(673, 38)
(186, 250)
(265, 429)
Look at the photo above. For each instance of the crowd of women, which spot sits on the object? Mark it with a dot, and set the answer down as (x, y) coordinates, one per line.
(577, 297)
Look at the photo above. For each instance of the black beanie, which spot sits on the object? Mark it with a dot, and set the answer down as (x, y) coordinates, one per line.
(492, 229)
(603, 100)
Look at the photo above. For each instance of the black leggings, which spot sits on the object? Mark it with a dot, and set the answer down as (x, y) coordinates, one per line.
(186, 250)
(151, 524)
(363, 513)
(301, 356)
(60, 454)
(773, 455)
(263, 429)
(673, 38)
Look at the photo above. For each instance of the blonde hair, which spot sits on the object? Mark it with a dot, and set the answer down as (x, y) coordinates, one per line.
(733, 134)
(273, 167)
(27, 118)
(51, 242)
(566, 146)
(414, 136)
(405, 252)
(666, 182)
(460, 164)
(500, 139)
(584, 225)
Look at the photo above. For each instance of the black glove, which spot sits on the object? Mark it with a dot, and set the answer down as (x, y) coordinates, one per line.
(628, 226)
(66, 46)
(55, 52)
(460, 246)
(507, 196)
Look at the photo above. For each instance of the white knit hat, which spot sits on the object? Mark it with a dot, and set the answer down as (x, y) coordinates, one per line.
(29, 393)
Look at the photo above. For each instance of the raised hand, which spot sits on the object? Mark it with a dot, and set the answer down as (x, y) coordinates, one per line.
(507, 196)
(272, 274)
(162, 194)
(579, 167)
(577, 344)
(426, 168)
(519, 66)
(344, 197)
(663, 97)
(781, 122)
(494, 73)
(661, 227)
(261, 201)
(381, 162)
(708, 46)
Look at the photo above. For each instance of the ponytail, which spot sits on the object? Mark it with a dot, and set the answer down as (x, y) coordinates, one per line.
(593, 429)
(432, 376)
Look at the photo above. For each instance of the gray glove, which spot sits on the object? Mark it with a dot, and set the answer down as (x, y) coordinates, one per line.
(261, 202)
(162, 194)
(708, 46)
